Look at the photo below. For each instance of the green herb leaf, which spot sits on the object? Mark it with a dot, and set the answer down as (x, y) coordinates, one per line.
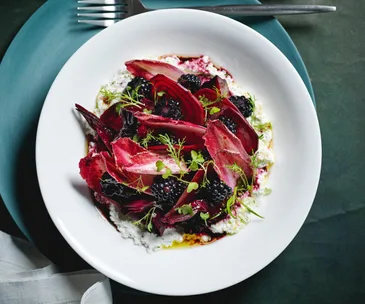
(250, 210)
(192, 186)
(197, 159)
(214, 110)
(147, 139)
(231, 201)
(267, 191)
(161, 93)
(145, 188)
(243, 178)
(108, 96)
(204, 217)
(261, 137)
(135, 138)
(255, 161)
(146, 221)
(175, 153)
(167, 174)
(193, 154)
(160, 165)
(252, 100)
(147, 111)
(260, 127)
(185, 209)
(149, 225)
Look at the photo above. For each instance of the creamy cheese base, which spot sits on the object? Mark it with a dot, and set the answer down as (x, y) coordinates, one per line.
(265, 157)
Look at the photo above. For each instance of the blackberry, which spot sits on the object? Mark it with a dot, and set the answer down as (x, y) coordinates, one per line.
(143, 85)
(217, 191)
(244, 105)
(229, 123)
(130, 124)
(167, 107)
(190, 82)
(114, 190)
(167, 190)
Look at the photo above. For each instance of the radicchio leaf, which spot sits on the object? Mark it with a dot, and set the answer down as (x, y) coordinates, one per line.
(112, 118)
(133, 180)
(191, 108)
(92, 168)
(176, 217)
(136, 207)
(93, 121)
(245, 132)
(105, 133)
(157, 222)
(181, 129)
(149, 68)
(217, 83)
(131, 157)
(102, 199)
(226, 149)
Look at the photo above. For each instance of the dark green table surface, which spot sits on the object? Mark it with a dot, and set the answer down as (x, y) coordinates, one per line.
(326, 261)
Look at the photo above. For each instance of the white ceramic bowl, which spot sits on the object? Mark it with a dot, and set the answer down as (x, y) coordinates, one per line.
(258, 66)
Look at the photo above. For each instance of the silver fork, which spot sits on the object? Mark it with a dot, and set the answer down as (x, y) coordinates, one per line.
(113, 11)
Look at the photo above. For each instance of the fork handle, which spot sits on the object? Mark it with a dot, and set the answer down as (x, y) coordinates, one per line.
(266, 9)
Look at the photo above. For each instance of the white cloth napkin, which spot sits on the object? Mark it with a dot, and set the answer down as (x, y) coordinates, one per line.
(27, 277)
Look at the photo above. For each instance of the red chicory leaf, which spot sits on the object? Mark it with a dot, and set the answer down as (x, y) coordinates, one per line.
(149, 68)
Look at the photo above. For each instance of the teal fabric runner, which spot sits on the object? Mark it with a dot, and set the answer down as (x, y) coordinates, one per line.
(325, 262)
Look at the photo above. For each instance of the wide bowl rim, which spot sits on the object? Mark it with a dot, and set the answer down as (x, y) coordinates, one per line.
(78, 248)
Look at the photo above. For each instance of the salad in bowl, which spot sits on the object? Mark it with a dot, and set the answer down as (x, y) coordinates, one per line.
(178, 153)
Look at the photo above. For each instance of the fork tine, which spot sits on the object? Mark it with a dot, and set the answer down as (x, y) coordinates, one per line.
(104, 23)
(109, 8)
(103, 15)
(102, 1)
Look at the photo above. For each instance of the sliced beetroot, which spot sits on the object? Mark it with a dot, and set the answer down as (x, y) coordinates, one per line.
(226, 149)
(92, 169)
(149, 68)
(191, 108)
(245, 132)
(181, 129)
(112, 118)
(131, 157)
(217, 83)
(209, 94)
